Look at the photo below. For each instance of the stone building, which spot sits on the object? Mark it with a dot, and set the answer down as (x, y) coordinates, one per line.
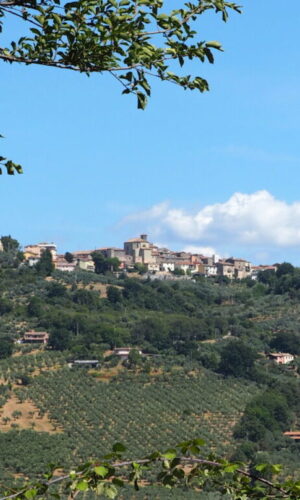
(242, 268)
(140, 249)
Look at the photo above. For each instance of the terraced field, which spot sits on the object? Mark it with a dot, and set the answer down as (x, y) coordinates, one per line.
(143, 412)
(67, 415)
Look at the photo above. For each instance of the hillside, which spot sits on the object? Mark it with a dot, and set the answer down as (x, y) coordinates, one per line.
(141, 410)
(204, 372)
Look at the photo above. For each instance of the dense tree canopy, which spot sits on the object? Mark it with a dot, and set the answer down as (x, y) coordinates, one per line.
(286, 342)
(237, 359)
(6, 347)
(10, 244)
(133, 40)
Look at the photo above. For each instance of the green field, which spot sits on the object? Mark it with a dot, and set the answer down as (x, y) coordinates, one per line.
(145, 412)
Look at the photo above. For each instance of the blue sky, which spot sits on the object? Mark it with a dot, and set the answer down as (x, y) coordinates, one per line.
(96, 168)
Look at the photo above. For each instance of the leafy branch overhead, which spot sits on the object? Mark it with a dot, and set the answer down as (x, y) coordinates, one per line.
(133, 40)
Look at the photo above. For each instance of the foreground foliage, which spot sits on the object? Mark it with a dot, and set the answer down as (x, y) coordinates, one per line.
(181, 466)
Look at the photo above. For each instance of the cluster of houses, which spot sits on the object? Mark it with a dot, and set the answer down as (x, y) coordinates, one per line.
(160, 262)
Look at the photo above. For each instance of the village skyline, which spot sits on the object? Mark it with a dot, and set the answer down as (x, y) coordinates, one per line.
(142, 255)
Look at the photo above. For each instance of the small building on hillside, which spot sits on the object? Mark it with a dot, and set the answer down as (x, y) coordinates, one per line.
(123, 352)
(281, 358)
(292, 435)
(257, 269)
(62, 265)
(86, 264)
(33, 337)
(87, 363)
(37, 250)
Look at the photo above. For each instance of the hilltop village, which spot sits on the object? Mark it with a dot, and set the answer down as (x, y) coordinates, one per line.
(142, 255)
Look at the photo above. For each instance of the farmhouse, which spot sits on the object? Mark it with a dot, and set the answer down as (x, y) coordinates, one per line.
(281, 358)
(292, 434)
(36, 337)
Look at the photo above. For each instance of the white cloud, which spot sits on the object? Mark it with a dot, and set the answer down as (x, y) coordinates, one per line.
(256, 220)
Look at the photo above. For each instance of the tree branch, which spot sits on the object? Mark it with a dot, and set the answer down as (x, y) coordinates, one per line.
(181, 460)
(5, 9)
(87, 69)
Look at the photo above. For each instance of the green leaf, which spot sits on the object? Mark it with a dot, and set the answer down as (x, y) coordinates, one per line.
(214, 45)
(276, 468)
(82, 485)
(100, 470)
(40, 19)
(231, 468)
(261, 467)
(31, 493)
(142, 100)
(169, 454)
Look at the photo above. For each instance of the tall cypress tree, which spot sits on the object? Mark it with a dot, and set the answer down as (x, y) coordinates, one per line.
(45, 265)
